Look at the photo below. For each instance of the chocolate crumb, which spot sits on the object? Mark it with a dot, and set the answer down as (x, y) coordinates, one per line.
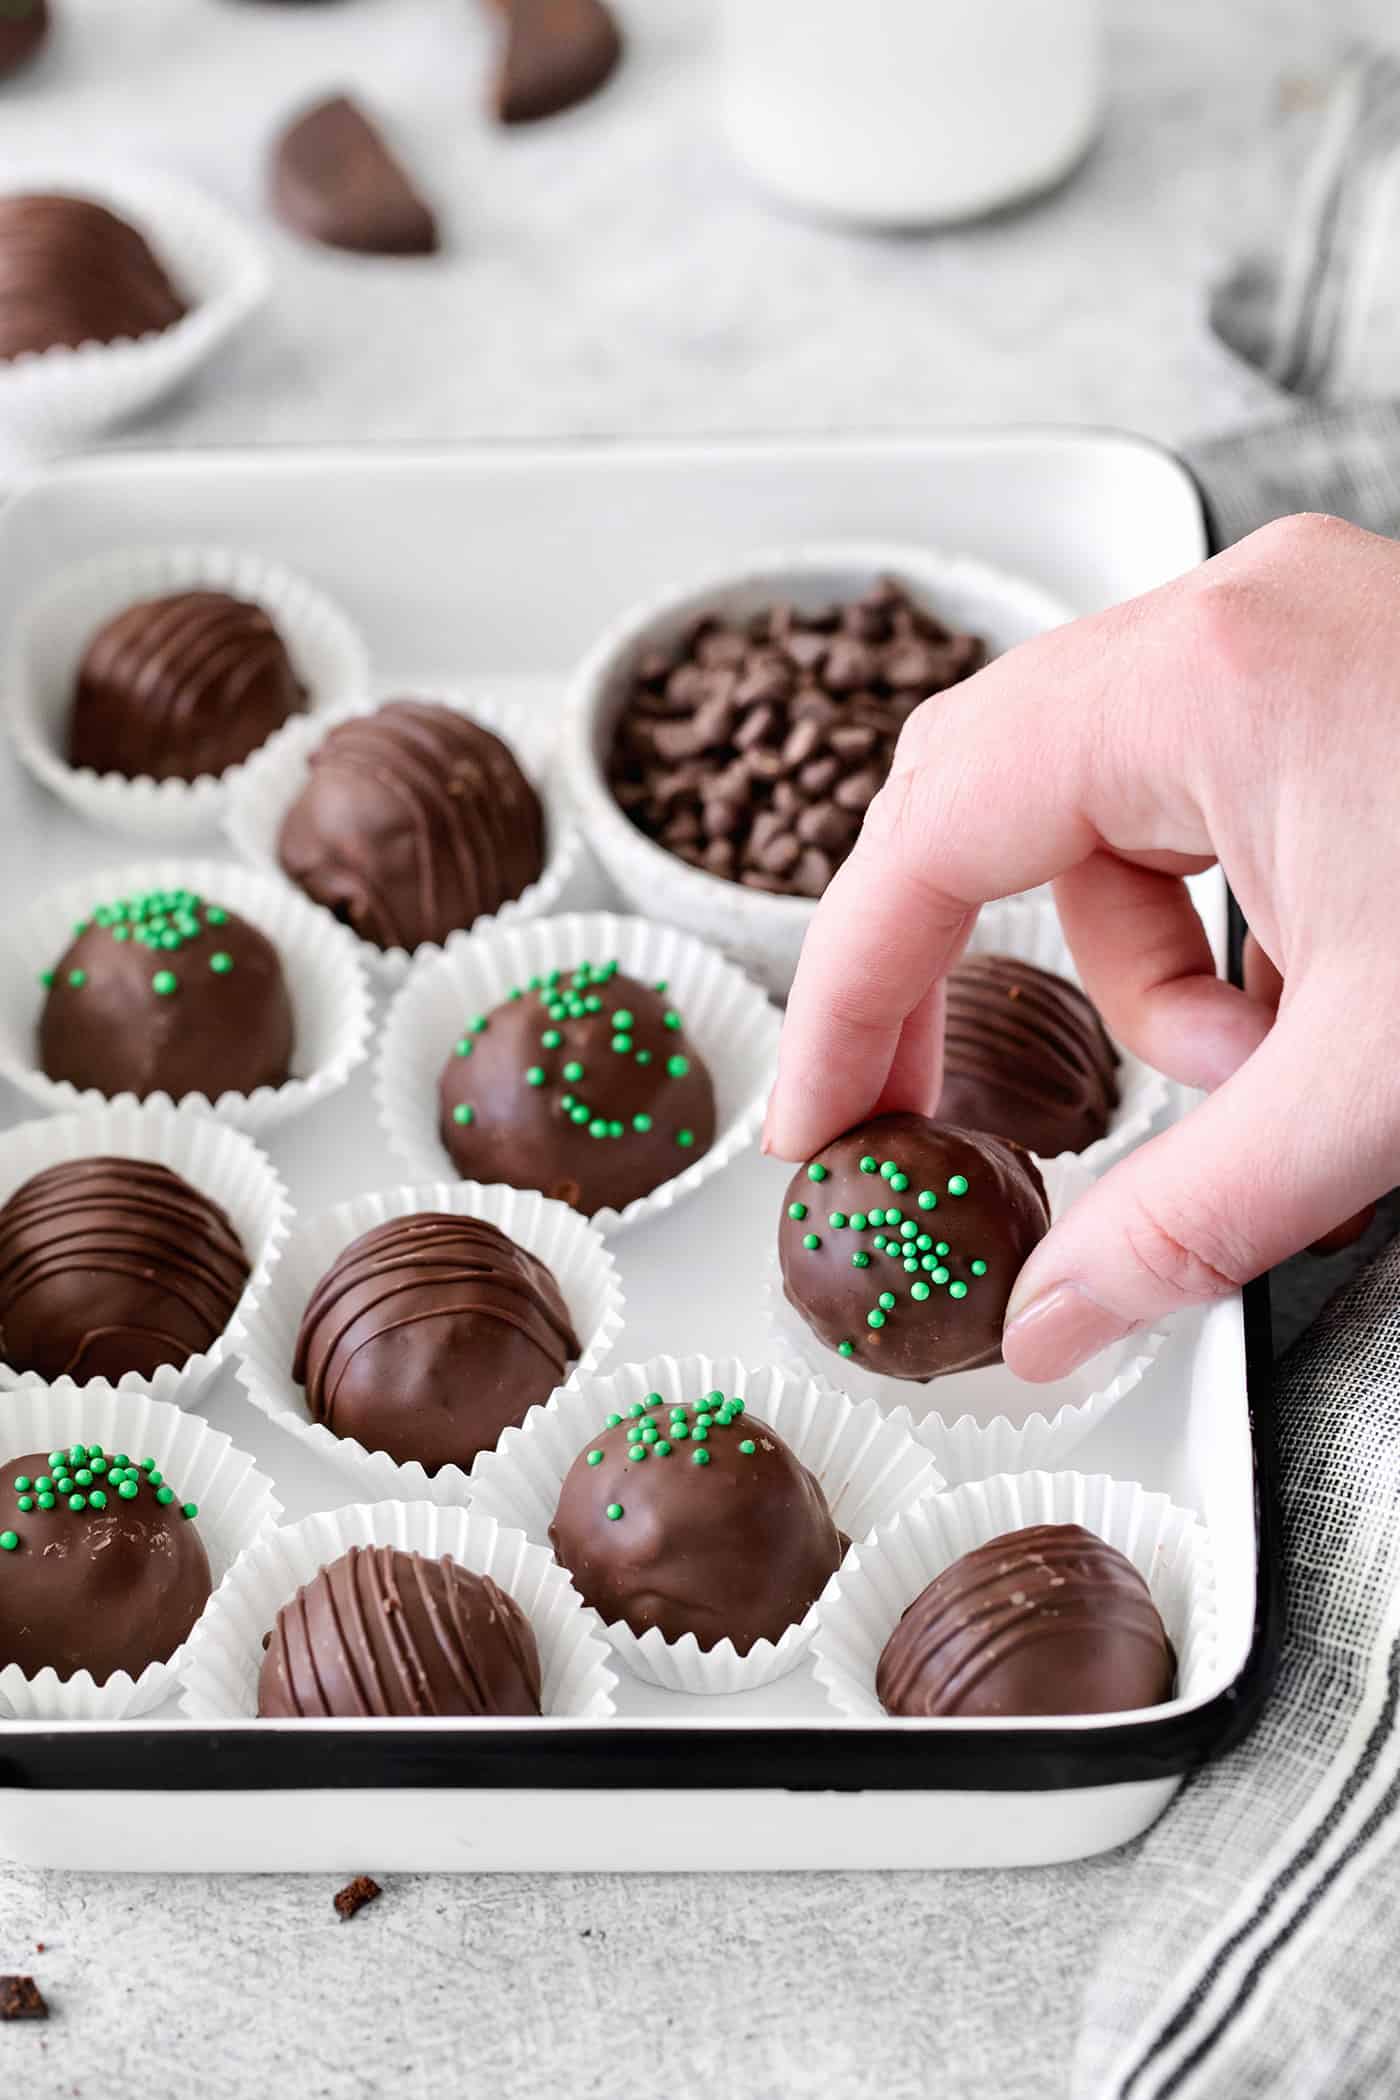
(21, 1999)
(356, 1894)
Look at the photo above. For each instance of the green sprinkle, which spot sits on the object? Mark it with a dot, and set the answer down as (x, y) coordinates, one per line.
(700, 1458)
(573, 1070)
(924, 1243)
(614, 1129)
(797, 1211)
(551, 1039)
(613, 1511)
(887, 1168)
(622, 1019)
(595, 1458)
(622, 1044)
(641, 1124)
(748, 1447)
(644, 1057)
(908, 1230)
(875, 1318)
(817, 1172)
(478, 1026)
(47, 1502)
(650, 1433)
(83, 1477)
(98, 1498)
(671, 1019)
(678, 1066)
(639, 1407)
(859, 1221)
(887, 1300)
(899, 1182)
(837, 1220)
(77, 1502)
(685, 1139)
(636, 1451)
(979, 1268)
(164, 983)
(661, 1449)
(877, 1217)
(189, 1511)
(128, 1490)
(534, 1075)
(165, 1494)
(868, 1164)
(215, 915)
(879, 1243)
(845, 1348)
(811, 1242)
(958, 1185)
(679, 1431)
(462, 1113)
(598, 1127)
(77, 978)
(8, 1541)
(700, 1434)
(465, 1046)
(22, 1483)
(860, 1260)
(46, 978)
(612, 1421)
(927, 1200)
(893, 1217)
(957, 1290)
(911, 1267)
(920, 1291)
(578, 1113)
(26, 1503)
(221, 963)
(940, 1274)
(943, 1248)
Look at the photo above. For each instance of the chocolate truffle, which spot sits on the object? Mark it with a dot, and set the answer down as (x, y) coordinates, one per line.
(583, 1085)
(334, 180)
(101, 1566)
(113, 1265)
(900, 1243)
(695, 1519)
(557, 53)
(180, 687)
(1026, 1057)
(383, 1634)
(413, 821)
(72, 272)
(166, 993)
(431, 1334)
(1049, 1620)
(24, 25)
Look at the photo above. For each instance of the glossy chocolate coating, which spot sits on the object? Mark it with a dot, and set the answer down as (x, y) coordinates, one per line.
(722, 1530)
(113, 1265)
(413, 821)
(1049, 1620)
(114, 1585)
(530, 1132)
(72, 272)
(179, 687)
(223, 1025)
(947, 1313)
(557, 53)
(24, 25)
(381, 1633)
(1026, 1057)
(334, 180)
(431, 1334)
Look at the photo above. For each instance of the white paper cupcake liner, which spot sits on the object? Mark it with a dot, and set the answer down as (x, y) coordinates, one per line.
(727, 1019)
(568, 1244)
(56, 400)
(220, 1162)
(869, 1466)
(330, 999)
(880, 1578)
(221, 1662)
(762, 932)
(1029, 928)
(272, 780)
(52, 635)
(236, 1506)
(988, 1421)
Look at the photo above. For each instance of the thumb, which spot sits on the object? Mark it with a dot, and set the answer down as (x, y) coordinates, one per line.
(1301, 1136)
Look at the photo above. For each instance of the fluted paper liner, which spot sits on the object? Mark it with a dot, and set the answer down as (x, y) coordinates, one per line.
(329, 995)
(727, 1019)
(220, 1162)
(56, 400)
(274, 777)
(1029, 928)
(51, 637)
(881, 1577)
(868, 1464)
(236, 1506)
(762, 932)
(987, 1421)
(568, 1244)
(220, 1664)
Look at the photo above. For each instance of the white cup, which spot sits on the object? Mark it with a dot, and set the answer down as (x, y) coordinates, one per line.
(909, 112)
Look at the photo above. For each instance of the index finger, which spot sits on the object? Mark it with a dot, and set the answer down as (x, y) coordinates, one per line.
(998, 785)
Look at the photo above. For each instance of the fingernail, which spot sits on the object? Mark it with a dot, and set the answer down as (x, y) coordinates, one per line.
(1060, 1330)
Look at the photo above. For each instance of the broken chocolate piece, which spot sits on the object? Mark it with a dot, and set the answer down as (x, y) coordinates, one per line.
(21, 1999)
(334, 180)
(557, 53)
(356, 1894)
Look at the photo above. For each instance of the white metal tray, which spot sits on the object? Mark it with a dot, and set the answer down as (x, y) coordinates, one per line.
(492, 569)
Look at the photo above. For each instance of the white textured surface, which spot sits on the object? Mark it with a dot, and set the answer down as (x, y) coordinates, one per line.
(611, 274)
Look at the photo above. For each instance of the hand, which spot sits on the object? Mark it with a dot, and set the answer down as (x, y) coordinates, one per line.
(1248, 713)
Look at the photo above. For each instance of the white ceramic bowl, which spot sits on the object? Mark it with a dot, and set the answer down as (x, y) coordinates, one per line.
(762, 932)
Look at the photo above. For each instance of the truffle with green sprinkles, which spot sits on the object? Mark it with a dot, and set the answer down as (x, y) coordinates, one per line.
(719, 1531)
(883, 1291)
(580, 1083)
(103, 1567)
(164, 992)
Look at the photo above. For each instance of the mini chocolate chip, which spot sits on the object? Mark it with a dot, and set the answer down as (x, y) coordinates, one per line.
(819, 776)
(757, 726)
(852, 740)
(812, 873)
(780, 854)
(801, 743)
(857, 790)
(849, 665)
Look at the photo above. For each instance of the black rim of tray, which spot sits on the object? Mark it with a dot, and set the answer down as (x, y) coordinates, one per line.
(844, 1758)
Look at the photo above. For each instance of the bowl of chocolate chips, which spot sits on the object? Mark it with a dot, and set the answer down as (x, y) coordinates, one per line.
(723, 743)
